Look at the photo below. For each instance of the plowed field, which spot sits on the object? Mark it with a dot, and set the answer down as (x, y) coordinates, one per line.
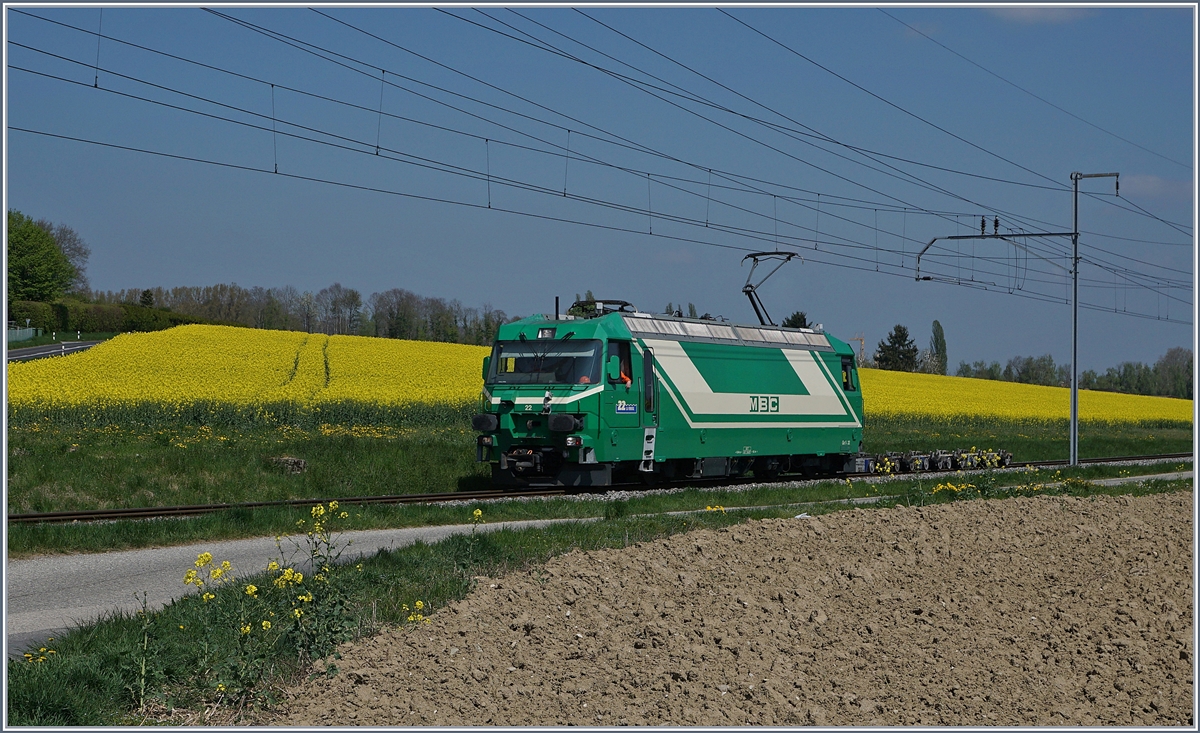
(1046, 611)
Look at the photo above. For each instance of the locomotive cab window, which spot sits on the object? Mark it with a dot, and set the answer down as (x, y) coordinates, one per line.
(848, 374)
(620, 349)
(546, 362)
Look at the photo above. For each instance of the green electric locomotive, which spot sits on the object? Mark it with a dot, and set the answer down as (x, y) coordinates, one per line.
(621, 396)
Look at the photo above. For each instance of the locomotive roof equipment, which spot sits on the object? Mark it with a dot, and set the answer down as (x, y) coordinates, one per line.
(751, 289)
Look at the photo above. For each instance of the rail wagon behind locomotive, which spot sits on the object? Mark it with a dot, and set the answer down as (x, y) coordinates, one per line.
(625, 396)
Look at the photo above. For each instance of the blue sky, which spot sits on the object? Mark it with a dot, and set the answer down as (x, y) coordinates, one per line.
(656, 203)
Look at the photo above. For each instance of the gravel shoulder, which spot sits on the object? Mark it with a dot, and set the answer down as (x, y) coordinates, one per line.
(1024, 611)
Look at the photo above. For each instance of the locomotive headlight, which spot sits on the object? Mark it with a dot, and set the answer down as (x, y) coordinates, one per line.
(574, 441)
(484, 440)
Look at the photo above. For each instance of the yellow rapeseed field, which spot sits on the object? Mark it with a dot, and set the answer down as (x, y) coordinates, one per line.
(353, 380)
(248, 372)
(173, 367)
(903, 393)
(392, 372)
(307, 378)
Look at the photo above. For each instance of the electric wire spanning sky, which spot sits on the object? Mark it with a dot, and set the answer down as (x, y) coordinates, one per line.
(509, 155)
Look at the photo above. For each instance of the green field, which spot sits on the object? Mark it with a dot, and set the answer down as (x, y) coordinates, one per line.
(59, 468)
(1034, 440)
(56, 468)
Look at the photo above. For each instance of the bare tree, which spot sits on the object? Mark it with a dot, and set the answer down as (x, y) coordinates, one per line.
(289, 301)
(74, 248)
(308, 311)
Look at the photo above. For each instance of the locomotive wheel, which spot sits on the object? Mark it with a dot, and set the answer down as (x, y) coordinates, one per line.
(766, 474)
(652, 479)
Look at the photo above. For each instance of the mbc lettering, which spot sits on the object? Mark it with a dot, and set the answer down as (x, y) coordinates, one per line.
(764, 403)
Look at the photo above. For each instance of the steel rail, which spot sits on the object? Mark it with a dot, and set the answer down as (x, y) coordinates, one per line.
(97, 515)
(93, 515)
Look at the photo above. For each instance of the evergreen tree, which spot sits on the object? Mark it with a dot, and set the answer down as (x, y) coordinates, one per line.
(898, 353)
(937, 345)
(799, 319)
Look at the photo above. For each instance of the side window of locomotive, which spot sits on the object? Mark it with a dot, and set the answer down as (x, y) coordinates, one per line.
(620, 349)
(848, 374)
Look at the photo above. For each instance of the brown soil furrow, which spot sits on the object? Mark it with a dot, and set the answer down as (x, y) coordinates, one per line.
(1046, 611)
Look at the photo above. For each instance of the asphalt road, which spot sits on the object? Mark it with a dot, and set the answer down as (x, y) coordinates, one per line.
(61, 348)
(49, 594)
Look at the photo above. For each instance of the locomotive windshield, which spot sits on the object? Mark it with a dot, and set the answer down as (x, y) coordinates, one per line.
(546, 362)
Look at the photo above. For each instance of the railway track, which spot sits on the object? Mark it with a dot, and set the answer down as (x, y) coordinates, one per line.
(99, 515)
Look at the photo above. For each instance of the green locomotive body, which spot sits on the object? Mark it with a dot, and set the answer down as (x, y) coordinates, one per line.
(627, 396)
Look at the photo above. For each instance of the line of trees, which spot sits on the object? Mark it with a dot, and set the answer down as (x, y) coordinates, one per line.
(1169, 376)
(1024, 369)
(395, 313)
(47, 282)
